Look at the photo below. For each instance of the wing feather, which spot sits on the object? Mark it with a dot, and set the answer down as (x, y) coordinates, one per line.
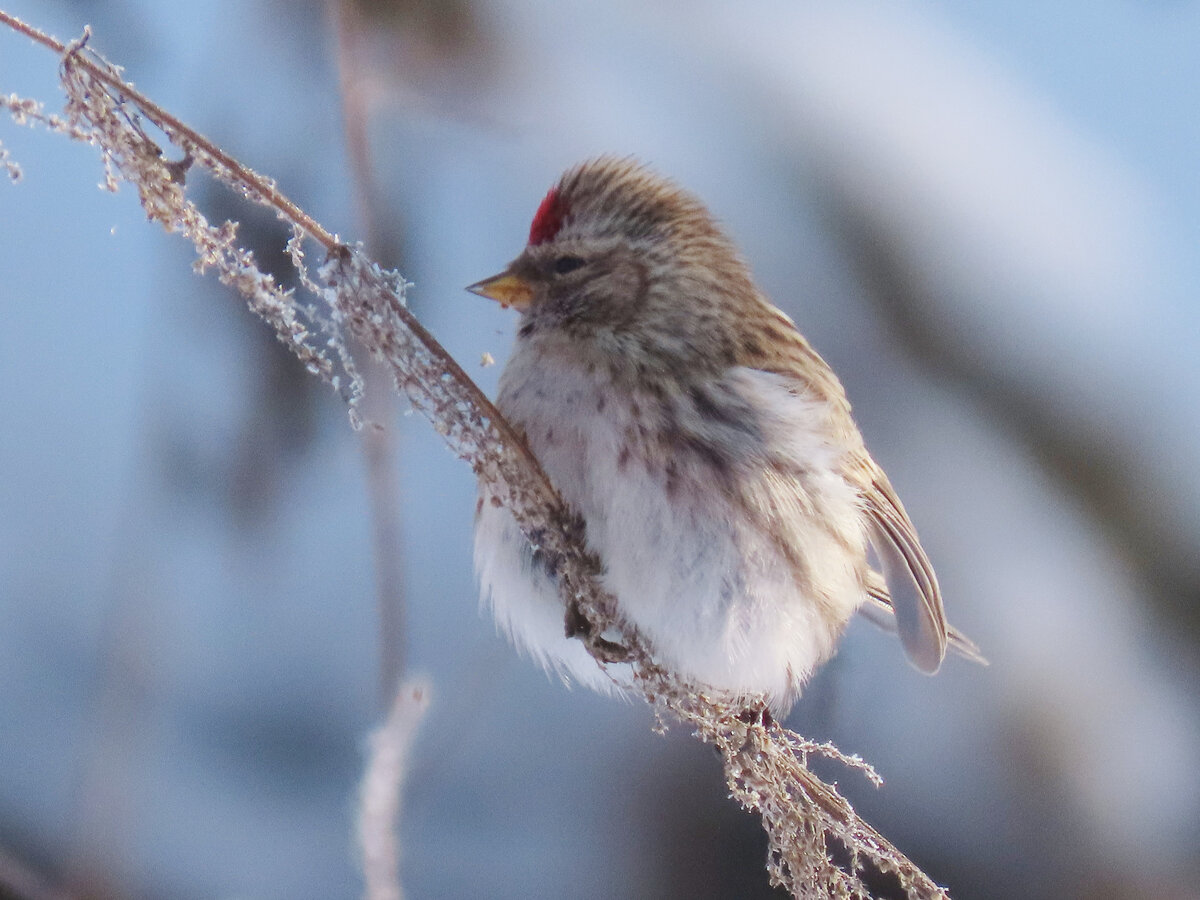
(914, 597)
(878, 611)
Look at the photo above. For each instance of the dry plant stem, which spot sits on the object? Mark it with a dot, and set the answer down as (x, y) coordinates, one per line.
(764, 764)
(170, 125)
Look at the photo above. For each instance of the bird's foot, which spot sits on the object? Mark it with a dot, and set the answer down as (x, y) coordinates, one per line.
(757, 714)
(579, 625)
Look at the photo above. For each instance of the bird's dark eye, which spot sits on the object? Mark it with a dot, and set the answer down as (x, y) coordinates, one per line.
(565, 264)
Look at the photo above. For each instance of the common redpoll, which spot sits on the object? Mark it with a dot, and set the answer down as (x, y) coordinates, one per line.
(708, 448)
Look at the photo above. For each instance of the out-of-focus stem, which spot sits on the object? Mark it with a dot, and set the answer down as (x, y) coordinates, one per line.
(378, 437)
(19, 881)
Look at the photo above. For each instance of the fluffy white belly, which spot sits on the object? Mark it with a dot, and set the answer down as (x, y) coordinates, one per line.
(696, 554)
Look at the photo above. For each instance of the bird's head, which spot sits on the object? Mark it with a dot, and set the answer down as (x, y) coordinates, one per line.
(618, 253)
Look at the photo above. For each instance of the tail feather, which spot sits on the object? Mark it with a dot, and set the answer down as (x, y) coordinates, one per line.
(878, 611)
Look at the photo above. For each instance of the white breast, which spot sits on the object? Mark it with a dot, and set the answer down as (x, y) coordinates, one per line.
(707, 585)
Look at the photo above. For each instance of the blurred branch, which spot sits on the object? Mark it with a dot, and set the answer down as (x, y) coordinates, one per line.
(19, 882)
(106, 814)
(1090, 459)
(378, 439)
(349, 50)
(383, 781)
(765, 765)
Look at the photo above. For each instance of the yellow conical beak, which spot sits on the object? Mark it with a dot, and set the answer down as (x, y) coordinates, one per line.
(506, 289)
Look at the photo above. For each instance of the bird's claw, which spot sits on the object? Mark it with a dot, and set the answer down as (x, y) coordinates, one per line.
(609, 651)
(758, 714)
(579, 625)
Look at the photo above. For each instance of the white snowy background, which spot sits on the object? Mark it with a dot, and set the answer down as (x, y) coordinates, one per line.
(985, 216)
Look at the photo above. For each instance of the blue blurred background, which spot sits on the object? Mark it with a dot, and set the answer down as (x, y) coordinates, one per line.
(985, 216)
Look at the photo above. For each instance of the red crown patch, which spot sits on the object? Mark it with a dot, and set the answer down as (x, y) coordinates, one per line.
(548, 219)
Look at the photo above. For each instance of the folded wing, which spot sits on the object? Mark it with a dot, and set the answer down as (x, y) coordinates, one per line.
(916, 599)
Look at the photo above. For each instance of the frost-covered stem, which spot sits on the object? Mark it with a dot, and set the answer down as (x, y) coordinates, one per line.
(765, 765)
(253, 182)
(382, 788)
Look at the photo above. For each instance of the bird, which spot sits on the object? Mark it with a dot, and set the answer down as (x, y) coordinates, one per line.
(708, 449)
